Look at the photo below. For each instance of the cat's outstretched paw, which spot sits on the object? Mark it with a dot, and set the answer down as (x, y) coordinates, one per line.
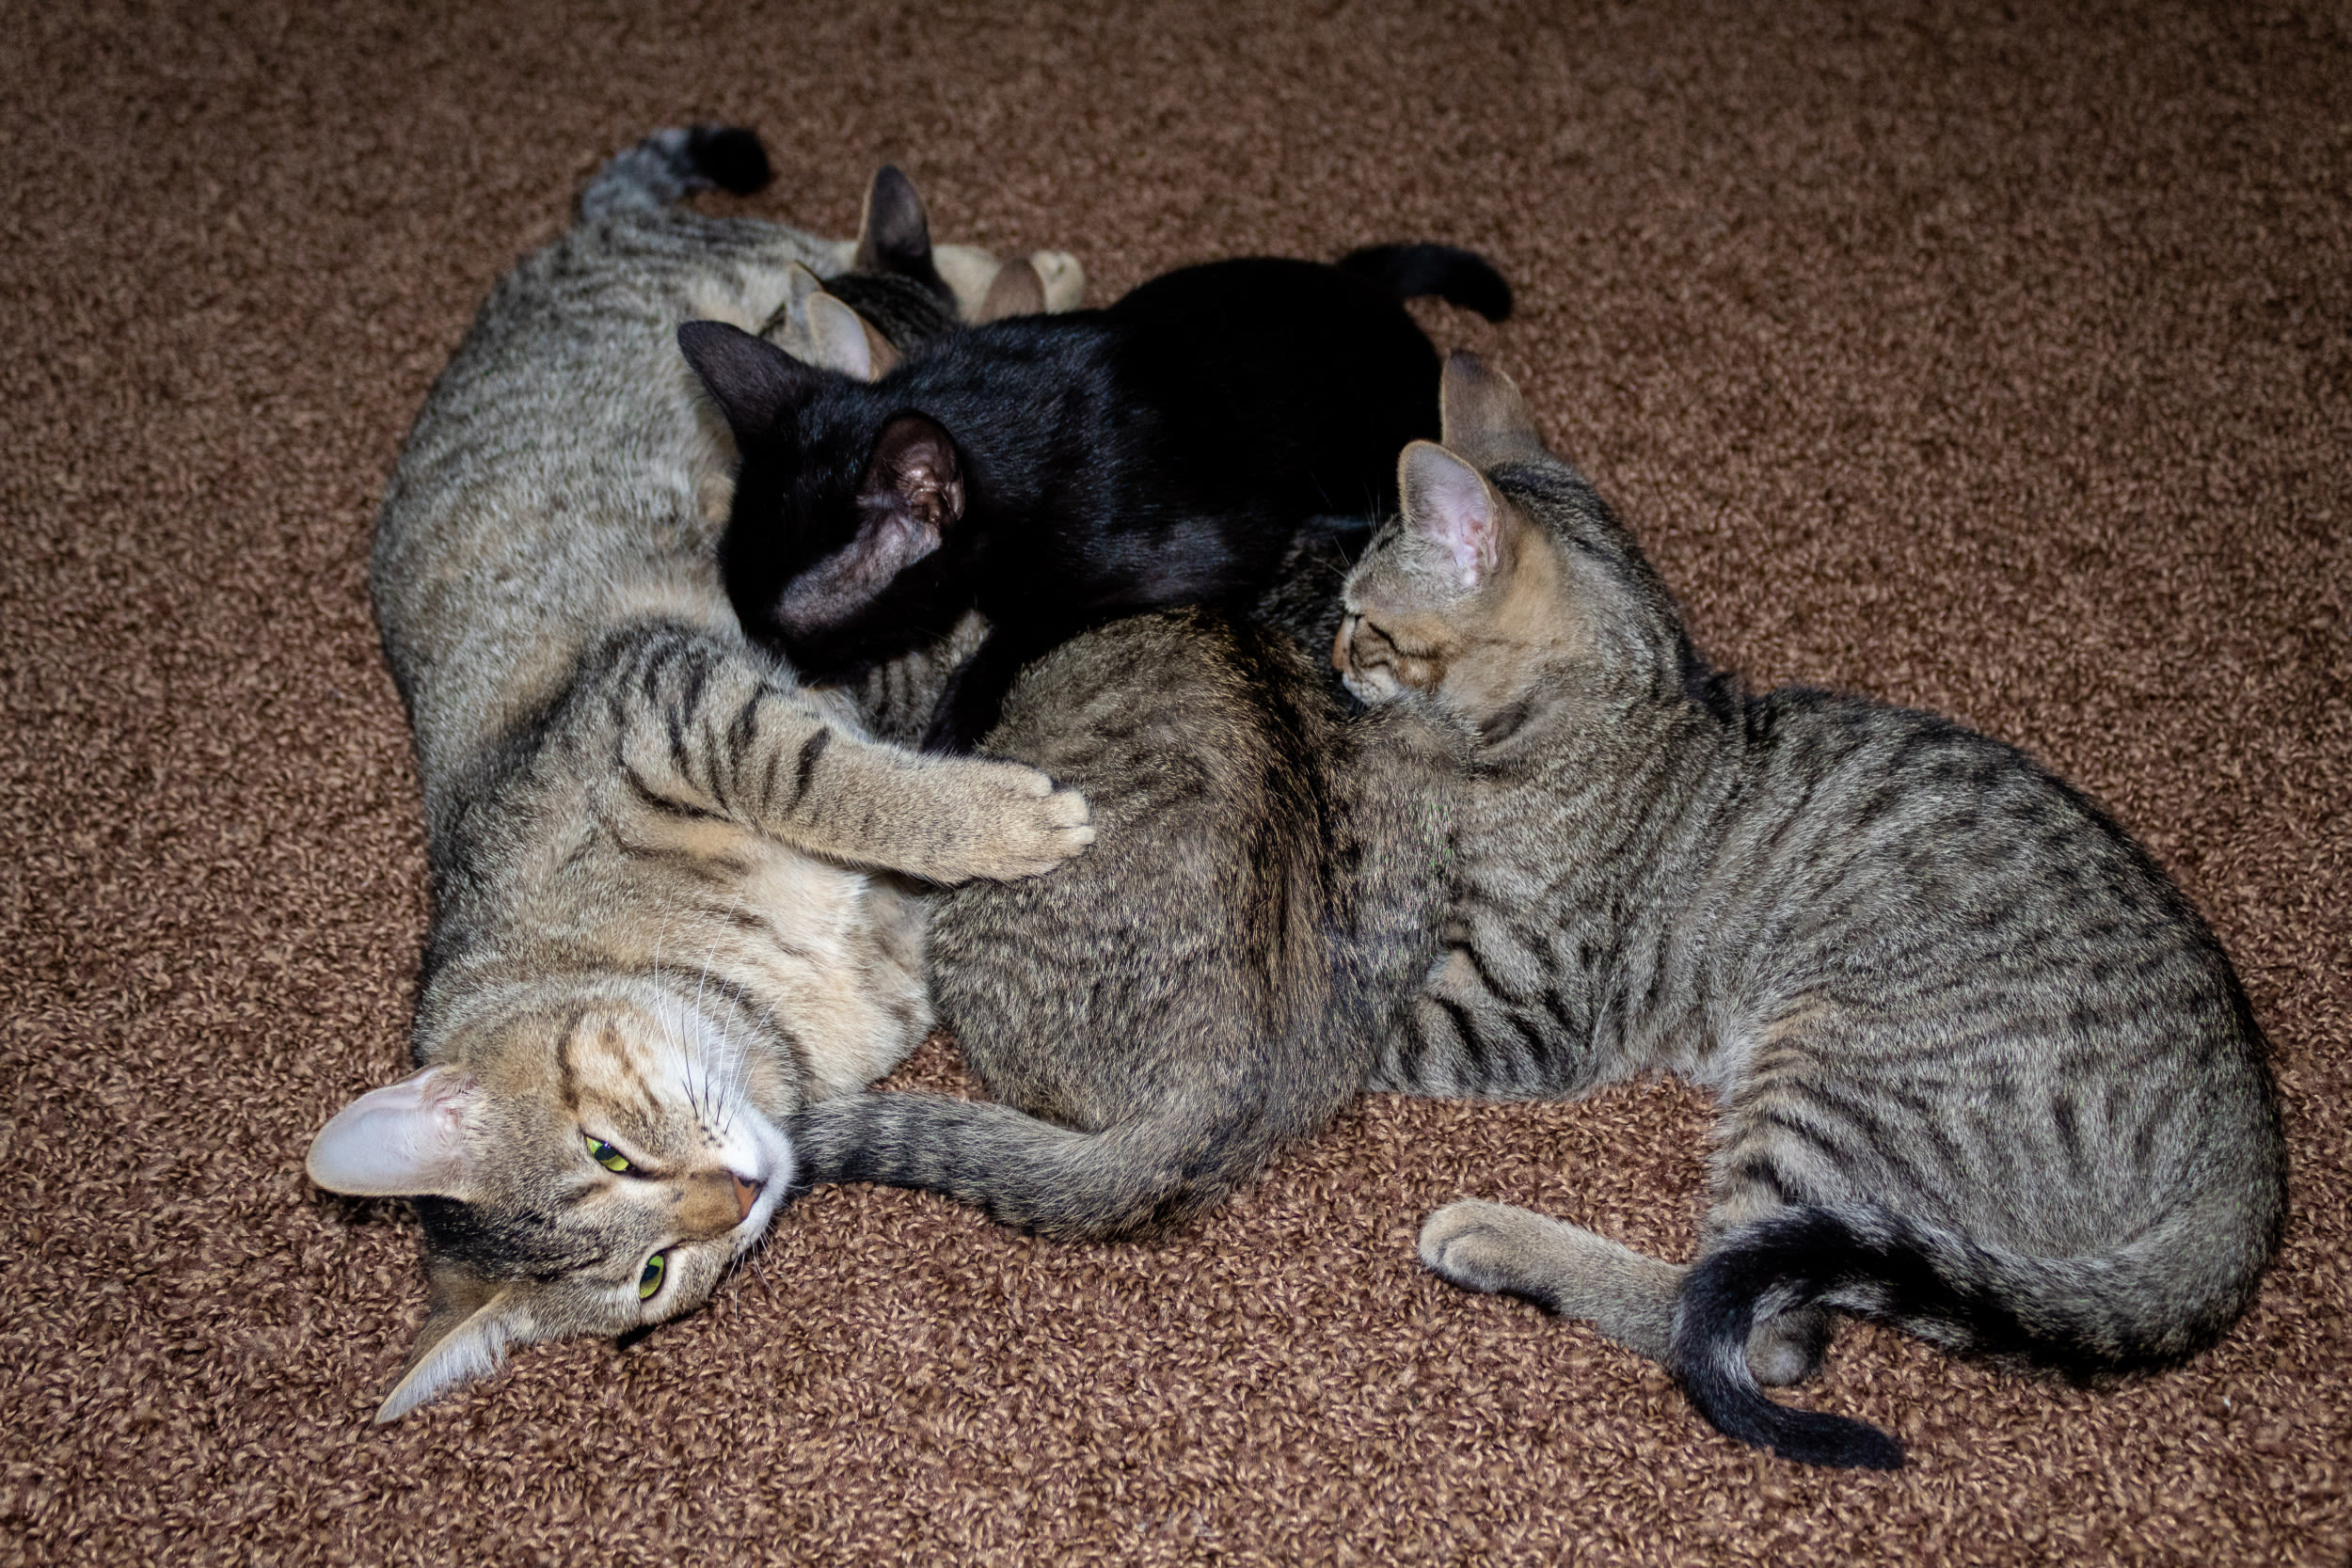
(1486, 1247)
(1021, 824)
(1560, 1267)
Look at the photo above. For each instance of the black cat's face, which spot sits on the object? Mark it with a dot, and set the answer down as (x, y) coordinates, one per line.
(844, 504)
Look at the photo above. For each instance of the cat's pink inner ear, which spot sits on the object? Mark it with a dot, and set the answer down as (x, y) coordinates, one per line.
(1450, 503)
(403, 1140)
(914, 464)
(840, 339)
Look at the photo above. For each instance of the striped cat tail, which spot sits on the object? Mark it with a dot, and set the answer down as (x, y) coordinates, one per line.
(1793, 1261)
(1032, 1174)
(670, 164)
(2149, 1303)
(1458, 277)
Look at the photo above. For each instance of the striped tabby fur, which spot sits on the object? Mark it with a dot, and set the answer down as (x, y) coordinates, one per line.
(1207, 983)
(663, 910)
(1984, 1074)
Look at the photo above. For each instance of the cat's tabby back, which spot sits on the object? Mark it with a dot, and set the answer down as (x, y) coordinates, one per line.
(1984, 1074)
(657, 923)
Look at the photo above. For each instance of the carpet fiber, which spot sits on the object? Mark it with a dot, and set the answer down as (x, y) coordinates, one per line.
(1990, 358)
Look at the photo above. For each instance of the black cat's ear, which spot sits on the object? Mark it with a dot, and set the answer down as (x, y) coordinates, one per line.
(893, 233)
(1450, 506)
(1017, 290)
(755, 384)
(914, 473)
(1482, 415)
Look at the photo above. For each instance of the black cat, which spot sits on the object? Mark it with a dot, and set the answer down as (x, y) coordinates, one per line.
(1058, 471)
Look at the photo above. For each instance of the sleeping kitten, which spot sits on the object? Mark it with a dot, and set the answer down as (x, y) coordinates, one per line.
(660, 922)
(1984, 1074)
(1208, 981)
(1058, 472)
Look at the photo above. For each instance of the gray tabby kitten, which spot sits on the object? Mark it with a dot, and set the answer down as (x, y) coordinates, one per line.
(660, 922)
(1984, 1074)
(1206, 984)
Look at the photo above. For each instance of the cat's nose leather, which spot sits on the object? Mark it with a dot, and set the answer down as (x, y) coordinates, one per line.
(746, 1194)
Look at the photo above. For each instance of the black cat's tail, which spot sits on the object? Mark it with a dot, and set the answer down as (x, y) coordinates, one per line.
(2153, 1301)
(1456, 276)
(670, 164)
(1124, 1182)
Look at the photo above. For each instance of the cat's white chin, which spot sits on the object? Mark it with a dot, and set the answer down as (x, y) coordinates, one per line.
(777, 1168)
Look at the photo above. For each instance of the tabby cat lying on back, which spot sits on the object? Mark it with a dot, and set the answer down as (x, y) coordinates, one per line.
(1057, 472)
(1984, 1074)
(657, 923)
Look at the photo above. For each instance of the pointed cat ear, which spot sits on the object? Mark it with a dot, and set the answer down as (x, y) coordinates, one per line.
(799, 286)
(1450, 504)
(466, 1334)
(841, 339)
(1482, 415)
(1018, 291)
(755, 384)
(405, 1140)
(913, 472)
(1065, 281)
(893, 233)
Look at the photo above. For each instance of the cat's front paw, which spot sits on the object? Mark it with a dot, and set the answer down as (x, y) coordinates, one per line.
(1481, 1246)
(1022, 825)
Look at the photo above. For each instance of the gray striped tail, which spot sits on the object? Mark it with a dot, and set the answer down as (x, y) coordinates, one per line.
(1132, 1179)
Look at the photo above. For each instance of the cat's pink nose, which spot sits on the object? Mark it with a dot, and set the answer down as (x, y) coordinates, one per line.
(746, 1194)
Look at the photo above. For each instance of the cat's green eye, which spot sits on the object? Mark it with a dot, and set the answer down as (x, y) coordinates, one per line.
(650, 1281)
(605, 1154)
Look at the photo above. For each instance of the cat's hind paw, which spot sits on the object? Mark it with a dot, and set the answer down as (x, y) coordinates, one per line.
(1488, 1247)
(1788, 1349)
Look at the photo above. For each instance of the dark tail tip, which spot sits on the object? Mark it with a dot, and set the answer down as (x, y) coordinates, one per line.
(1738, 1409)
(1458, 277)
(729, 156)
(1709, 1355)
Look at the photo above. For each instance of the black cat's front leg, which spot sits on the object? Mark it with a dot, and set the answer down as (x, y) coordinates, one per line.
(974, 698)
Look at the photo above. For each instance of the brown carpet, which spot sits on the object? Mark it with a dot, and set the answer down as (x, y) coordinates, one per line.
(1992, 358)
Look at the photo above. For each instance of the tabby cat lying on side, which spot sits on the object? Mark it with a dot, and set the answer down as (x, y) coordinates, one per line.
(1209, 980)
(1057, 472)
(658, 926)
(1984, 1074)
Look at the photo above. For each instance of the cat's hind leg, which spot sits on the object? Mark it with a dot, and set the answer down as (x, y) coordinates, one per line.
(1786, 1347)
(1629, 1296)
(1563, 1268)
